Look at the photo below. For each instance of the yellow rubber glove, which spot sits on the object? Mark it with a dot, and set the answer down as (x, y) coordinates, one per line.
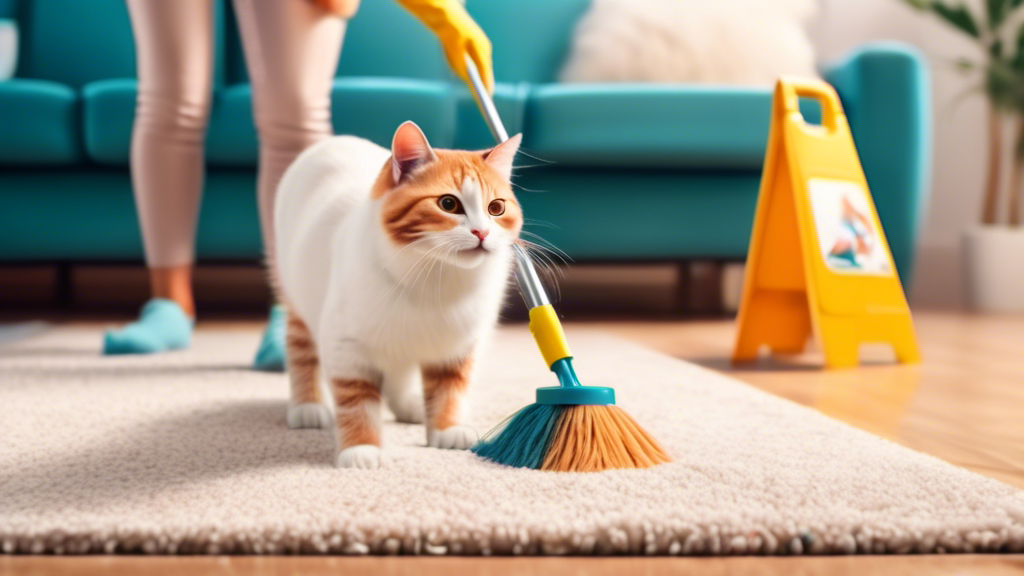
(459, 35)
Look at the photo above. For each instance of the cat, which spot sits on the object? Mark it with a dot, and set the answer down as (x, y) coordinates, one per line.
(393, 266)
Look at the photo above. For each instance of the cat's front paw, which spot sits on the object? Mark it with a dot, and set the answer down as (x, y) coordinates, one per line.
(309, 415)
(453, 437)
(365, 456)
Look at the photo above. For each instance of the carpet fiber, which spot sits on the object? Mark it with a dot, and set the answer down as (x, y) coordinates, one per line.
(188, 452)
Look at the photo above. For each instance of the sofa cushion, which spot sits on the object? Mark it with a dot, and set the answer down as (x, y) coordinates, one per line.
(75, 42)
(40, 123)
(108, 112)
(471, 132)
(531, 37)
(367, 107)
(79, 41)
(650, 125)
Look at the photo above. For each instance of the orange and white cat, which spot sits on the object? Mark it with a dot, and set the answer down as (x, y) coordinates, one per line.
(393, 266)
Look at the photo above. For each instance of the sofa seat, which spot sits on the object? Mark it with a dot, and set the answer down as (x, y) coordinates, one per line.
(40, 123)
(367, 107)
(650, 125)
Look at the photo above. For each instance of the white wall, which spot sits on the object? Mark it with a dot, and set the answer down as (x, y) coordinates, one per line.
(959, 151)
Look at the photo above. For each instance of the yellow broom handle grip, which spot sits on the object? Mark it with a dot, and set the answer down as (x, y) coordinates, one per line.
(547, 331)
(544, 324)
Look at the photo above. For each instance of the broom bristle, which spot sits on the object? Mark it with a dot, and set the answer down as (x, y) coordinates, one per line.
(594, 438)
(523, 441)
(572, 439)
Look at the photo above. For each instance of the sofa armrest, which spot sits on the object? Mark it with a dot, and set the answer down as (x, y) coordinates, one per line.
(8, 48)
(885, 92)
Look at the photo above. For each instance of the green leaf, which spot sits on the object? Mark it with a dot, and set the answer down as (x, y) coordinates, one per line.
(1016, 3)
(1018, 59)
(965, 65)
(959, 17)
(923, 4)
(1005, 86)
(996, 49)
(997, 10)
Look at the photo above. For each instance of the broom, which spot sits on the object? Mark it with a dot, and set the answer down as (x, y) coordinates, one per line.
(571, 427)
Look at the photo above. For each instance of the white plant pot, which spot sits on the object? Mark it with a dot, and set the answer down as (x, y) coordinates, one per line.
(994, 268)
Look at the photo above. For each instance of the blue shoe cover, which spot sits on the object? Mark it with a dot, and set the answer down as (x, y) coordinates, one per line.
(270, 354)
(162, 326)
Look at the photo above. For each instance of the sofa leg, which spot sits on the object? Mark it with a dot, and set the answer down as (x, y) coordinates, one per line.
(711, 280)
(64, 286)
(684, 285)
(699, 288)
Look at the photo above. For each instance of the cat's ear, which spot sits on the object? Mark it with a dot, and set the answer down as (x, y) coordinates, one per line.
(409, 151)
(502, 155)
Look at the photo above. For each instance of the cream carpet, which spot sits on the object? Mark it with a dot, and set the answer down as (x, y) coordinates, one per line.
(189, 453)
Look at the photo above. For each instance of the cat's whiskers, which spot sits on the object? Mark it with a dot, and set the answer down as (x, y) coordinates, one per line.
(440, 260)
(398, 283)
(398, 286)
(522, 152)
(543, 243)
(411, 291)
(402, 249)
(545, 264)
(541, 223)
(387, 270)
(440, 306)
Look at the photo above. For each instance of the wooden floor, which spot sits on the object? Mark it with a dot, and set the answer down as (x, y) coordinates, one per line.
(964, 404)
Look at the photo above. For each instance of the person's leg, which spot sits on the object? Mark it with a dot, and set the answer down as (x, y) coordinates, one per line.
(291, 49)
(174, 47)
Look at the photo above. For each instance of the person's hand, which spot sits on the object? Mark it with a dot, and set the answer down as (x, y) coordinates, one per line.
(344, 8)
(459, 35)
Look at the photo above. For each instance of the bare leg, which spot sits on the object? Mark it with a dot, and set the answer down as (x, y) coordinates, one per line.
(291, 50)
(174, 41)
(174, 283)
(174, 45)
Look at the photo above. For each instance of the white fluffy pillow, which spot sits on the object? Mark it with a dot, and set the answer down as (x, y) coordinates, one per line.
(736, 42)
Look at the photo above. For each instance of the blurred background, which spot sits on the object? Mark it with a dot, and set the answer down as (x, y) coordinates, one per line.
(646, 122)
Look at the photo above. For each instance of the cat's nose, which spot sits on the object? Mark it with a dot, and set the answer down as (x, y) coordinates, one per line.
(481, 234)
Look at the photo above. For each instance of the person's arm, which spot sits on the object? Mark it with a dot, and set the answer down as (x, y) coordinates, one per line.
(458, 33)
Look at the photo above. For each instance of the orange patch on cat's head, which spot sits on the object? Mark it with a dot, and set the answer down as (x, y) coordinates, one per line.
(416, 178)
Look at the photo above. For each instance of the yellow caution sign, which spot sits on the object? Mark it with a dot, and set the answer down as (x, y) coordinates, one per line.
(818, 261)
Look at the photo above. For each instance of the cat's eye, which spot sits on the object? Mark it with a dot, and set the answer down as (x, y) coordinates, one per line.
(496, 207)
(450, 204)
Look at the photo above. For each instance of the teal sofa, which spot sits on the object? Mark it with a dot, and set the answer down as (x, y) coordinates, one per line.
(627, 172)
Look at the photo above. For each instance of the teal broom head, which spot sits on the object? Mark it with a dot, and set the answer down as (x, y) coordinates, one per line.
(522, 441)
(571, 428)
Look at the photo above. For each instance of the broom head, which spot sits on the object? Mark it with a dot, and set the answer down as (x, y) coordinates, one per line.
(571, 438)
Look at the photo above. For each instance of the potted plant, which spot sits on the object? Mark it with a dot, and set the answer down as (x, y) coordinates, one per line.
(993, 250)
